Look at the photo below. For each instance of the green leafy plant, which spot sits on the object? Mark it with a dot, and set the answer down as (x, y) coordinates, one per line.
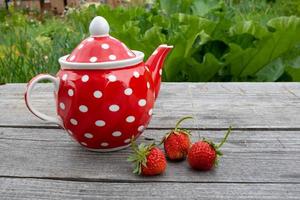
(215, 40)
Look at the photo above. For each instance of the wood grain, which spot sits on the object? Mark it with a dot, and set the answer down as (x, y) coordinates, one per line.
(16, 189)
(213, 105)
(249, 157)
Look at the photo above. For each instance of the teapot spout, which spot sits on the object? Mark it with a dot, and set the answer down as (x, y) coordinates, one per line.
(155, 64)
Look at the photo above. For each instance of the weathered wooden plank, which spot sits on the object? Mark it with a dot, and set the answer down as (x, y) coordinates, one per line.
(248, 157)
(14, 189)
(214, 105)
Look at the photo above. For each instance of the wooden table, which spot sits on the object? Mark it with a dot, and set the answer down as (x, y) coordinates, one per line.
(261, 159)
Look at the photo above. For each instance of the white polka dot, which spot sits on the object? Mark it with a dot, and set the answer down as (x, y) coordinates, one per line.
(130, 54)
(90, 39)
(128, 91)
(148, 85)
(155, 52)
(83, 143)
(73, 121)
(141, 128)
(142, 102)
(116, 134)
(88, 135)
(112, 78)
(70, 92)
(72, 58)
(64, 77)
(104, 144)
(83, 108)
(147, 68)
(114, 108)
(93, 59)
(85, 78)
(100, 123)
(97, 94)
(127, 141)
(62, 105)
(130, 119)
(80, 46)
(105, 46)
(112, 57)
(136, 74)
(160, 72)
(150, 112)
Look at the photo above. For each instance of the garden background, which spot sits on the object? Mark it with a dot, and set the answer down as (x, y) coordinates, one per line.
(215, 40)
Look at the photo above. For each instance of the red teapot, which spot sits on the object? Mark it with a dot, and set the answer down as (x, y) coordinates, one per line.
(104, 91)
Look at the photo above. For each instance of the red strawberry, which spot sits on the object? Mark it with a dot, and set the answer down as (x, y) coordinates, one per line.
(203, 155)
(177, 142)
(148, 159)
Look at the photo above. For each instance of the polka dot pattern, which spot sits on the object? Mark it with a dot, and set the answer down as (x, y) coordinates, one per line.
(142, 102)
(88, 135)
(127, 141)
(99, 50)
(85, 78)
(93, 59)
(128, 91)
(97, 94)
(105, 111)
(70, 92)
(130, 119)
(73, 121)
(62, 105)
(100, 123)
(104, 144)
(150, 112)
(114, 108)
(105, 46)
(136, 74)
(83, 108)
(64, 77)
(112, 78)
(116, 134)
(141, 128)
(112, 57)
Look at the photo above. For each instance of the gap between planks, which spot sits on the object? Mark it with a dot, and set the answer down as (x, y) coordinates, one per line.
(169, 128)
(97, 180)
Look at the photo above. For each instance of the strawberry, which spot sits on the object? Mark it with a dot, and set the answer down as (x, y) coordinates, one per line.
(149, 160)
(177, 142)
(203, 155)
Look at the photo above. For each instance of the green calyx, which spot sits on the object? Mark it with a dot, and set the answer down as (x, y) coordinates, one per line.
(177, 130)
(139, 155)
(217, 147)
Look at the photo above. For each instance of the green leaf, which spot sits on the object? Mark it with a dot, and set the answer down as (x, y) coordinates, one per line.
(294, 73)
(284, 37)
(272, 71)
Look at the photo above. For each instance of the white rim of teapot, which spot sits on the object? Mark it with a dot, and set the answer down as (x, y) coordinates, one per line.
(64, 64)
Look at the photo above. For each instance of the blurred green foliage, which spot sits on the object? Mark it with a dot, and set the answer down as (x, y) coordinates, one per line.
(215, 40)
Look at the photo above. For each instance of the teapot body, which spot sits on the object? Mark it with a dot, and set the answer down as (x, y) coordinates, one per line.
(103, 109)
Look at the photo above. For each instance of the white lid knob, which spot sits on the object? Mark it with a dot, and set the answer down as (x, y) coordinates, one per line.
(99, 26)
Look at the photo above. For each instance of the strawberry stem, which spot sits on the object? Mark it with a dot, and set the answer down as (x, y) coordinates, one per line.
(225, 138)
(181, 120)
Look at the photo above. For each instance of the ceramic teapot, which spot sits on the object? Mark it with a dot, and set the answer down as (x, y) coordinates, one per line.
(104, 91)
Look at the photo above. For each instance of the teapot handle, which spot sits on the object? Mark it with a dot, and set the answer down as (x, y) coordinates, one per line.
(30, 87)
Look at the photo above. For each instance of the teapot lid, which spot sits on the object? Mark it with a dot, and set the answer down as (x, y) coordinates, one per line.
(101, 50)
